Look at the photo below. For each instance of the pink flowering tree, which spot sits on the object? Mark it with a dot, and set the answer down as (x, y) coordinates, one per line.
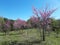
(20, 24)
(6, 26)
(43, 16)
(33, 21)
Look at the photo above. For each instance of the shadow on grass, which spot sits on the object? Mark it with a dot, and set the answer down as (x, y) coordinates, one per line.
(21, 43)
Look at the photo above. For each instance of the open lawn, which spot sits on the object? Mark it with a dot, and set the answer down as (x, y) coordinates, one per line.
(27, 37)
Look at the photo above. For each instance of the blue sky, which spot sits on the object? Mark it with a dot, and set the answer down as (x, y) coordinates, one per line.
(14, 9)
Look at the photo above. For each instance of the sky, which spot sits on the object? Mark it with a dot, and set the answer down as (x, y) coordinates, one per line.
(14, 9)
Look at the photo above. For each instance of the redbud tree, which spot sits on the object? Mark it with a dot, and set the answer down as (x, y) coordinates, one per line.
(33, 21)
(6, 26)
(43, 16)
(20, 24)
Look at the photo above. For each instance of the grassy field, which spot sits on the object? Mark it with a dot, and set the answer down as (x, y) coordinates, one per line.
(31, 36)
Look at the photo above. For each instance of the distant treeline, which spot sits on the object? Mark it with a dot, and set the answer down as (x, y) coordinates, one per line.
(11, 25)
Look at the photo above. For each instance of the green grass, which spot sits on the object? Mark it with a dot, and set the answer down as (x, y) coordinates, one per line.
(29, 35)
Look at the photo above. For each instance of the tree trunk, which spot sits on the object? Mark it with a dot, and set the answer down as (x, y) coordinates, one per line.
(44, 33)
